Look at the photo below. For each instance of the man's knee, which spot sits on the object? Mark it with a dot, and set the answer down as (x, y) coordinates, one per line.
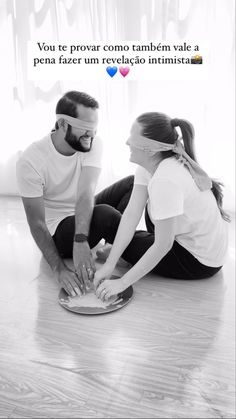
(104, 214)
(129, 181)
(105, 217)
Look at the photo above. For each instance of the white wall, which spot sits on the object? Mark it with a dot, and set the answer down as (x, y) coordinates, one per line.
(27, 108)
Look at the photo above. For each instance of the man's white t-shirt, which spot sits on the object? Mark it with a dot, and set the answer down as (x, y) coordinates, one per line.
(172, 192)
(42, 171)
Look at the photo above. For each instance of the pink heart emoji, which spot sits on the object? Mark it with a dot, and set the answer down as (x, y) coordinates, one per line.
(124, 71)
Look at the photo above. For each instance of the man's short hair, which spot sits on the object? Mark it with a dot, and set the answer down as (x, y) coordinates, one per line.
(67, 105)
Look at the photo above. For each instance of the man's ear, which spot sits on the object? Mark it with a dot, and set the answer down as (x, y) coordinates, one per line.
(62, 124)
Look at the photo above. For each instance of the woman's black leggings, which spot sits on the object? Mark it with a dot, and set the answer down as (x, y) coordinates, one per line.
(109, 206)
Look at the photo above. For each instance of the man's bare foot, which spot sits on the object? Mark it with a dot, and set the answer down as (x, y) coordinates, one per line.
(104, 252)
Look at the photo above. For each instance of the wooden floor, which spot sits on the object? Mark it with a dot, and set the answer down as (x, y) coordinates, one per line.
(168, 354)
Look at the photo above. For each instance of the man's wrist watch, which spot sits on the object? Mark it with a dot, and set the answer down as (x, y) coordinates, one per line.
(80, 238)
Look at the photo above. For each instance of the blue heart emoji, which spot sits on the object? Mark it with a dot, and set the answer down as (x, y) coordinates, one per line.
(111, 71)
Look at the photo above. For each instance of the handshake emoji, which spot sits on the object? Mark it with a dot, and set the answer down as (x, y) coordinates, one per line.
(197, 59)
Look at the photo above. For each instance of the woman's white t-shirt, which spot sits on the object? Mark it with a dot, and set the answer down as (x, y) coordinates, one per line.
(172, 192)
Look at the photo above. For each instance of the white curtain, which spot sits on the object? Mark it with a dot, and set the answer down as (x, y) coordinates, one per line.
(28, 107)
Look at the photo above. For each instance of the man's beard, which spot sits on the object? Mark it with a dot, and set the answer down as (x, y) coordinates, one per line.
(75, 142)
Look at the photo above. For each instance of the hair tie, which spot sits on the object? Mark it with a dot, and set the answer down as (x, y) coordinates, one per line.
(174, 122)
(152, 147)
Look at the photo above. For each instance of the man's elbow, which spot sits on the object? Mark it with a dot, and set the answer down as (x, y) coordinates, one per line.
(37, 226)
(86, 195)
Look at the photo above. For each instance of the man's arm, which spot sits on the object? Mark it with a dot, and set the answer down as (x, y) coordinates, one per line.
(35, 213)
(85, 198)
(82, 256)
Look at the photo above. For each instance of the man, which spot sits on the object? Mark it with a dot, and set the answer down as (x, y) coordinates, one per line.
(57, 178)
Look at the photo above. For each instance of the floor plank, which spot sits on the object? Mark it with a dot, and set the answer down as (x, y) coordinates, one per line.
(168, 354)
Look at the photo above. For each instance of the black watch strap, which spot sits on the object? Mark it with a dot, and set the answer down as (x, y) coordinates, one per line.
(80, 238)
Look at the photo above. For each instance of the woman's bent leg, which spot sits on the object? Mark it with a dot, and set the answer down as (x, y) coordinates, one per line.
(177, 263)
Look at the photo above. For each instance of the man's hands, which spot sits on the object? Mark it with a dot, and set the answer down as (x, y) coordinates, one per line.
(75, 284)
(83, 262)
(69, 280)
(78, 281)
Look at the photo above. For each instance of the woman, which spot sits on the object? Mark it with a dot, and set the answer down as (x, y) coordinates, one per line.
(187, 231)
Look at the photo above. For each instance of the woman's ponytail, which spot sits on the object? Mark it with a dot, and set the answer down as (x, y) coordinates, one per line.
(187, 131)
(217, 189)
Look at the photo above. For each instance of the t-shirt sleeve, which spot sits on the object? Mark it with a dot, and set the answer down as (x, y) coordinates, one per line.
(166, 199)
(141, 177)
(30, 183)
(94, 156)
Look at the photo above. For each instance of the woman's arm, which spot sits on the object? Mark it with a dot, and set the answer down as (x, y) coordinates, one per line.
(125, 232)
(128, 223)
(164, 237)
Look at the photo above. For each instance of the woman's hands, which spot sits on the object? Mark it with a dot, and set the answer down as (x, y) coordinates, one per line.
(104, 272)
(105, 287)
(110, 287)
